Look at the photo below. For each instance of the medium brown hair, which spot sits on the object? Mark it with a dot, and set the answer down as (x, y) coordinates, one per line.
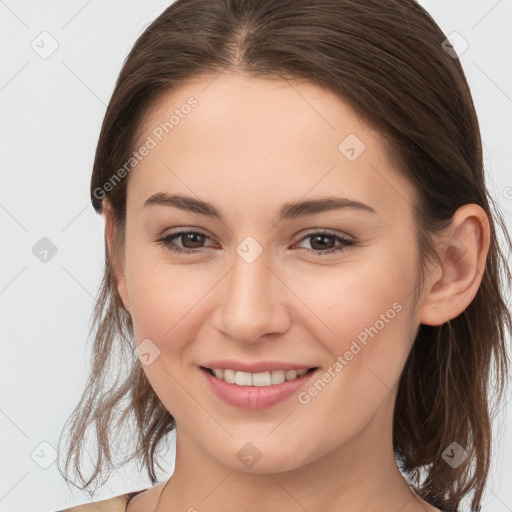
(386, 58)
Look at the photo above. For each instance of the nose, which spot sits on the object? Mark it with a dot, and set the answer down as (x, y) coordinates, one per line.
(251, 302)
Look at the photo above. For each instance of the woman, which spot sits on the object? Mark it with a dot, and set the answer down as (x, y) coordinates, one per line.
(301, 252)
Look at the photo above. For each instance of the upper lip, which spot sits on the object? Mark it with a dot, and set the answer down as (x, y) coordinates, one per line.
(256, 367)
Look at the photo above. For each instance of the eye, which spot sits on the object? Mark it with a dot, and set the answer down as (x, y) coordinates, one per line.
(323, 241)
(192, 241)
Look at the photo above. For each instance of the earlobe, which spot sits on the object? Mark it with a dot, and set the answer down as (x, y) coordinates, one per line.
(463, 253)
(114, 255)
(123, 293)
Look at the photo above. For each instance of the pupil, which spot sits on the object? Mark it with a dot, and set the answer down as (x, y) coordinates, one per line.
(322, 245)
(190, 237)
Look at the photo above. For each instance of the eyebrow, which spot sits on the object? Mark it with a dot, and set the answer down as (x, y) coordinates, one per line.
(290, 210)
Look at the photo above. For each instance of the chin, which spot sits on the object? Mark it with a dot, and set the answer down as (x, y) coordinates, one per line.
(261, 456)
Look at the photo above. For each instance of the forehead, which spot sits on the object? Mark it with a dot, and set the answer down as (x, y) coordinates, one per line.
(266, 140)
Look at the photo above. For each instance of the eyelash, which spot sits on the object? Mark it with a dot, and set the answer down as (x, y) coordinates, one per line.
(167, 243)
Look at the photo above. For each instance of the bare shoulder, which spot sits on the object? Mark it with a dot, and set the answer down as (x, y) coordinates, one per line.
(434, 509)
(115, 504)
(146, 500)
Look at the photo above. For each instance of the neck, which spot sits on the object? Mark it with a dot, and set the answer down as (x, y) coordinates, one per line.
(358, 476)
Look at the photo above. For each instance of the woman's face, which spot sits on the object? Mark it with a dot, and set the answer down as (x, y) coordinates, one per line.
(261, 286)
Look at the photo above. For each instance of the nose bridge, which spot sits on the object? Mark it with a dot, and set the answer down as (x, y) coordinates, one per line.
(250, 303)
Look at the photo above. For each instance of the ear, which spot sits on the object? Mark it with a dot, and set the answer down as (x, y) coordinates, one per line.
(463, 250)
(116, 255)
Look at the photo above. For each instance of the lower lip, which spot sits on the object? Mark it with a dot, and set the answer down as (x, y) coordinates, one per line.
(255, 397)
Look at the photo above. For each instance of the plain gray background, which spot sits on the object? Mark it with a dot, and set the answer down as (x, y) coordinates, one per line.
(52, 107)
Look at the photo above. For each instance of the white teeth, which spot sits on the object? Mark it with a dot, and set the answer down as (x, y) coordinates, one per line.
(277, 377)
(229, 376)
(261, 379)
(291, 374)
(257, 379)
(243, 379)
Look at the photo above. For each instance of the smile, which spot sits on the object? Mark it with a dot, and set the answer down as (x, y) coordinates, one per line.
(262, 379)
(255, 391)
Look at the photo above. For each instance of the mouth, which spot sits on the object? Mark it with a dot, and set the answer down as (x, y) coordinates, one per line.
(261, 379)
(256, 391)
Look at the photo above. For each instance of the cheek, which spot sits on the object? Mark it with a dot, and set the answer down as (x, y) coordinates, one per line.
(359, 294)
(160, 299)
(165, 303)
(166, 298)
(369, 347)
(368, 309)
